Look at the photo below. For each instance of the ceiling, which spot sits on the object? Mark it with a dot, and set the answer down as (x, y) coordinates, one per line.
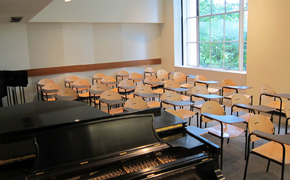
(21, 8)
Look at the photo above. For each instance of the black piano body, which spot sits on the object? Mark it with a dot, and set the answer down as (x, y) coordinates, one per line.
(70, 140)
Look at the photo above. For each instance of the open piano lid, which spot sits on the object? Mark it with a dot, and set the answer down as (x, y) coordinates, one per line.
(93, 141)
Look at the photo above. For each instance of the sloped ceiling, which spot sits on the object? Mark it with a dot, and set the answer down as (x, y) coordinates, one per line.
(21, 8)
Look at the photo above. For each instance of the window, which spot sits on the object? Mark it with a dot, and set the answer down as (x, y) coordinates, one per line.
(215, 33)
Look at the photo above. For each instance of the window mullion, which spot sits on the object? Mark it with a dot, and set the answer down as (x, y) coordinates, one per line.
(241, 38)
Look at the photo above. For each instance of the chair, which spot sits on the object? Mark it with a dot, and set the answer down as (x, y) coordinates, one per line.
(143, 89)
(150, 71)
(270, 101)
(97, 77)
(157, 88)
(173, 96)
(121, 75)
(136, 77)
(211, 107)
(40, 84)
(124, 83)
(174, 84)
(48, 90)
(66, 94)
(277, 150)
(111, 98)
(203, 78)
(162, 74)
(229, 82)
(180, 77)
(136, 103)
(69, 80)
(81, 86)
(109, 81)
(96, 91)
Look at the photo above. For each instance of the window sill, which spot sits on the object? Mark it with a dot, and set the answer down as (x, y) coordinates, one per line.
(214, 70)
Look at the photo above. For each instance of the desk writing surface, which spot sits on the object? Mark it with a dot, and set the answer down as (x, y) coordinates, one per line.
(207, 96)
(178, 103)
(228, 119)
(176, 89)
(237, 87)
(112, 102)
(281, 95)
(35, 115)
(260, 108)
(146, 95)
(207, 82)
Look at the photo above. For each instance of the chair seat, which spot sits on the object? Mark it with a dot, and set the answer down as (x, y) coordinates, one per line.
(213, 90)
(198, 106)
(230, 131)
(128, 90)
(152, 104)
(84, 95)
(185, 98)
(247, 116)
(186, 113)
(128, 96)
(186, 85)
(115, 111)
(158, 91)
(273, 151)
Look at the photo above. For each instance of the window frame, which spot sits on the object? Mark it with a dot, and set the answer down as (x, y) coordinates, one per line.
(186, 42)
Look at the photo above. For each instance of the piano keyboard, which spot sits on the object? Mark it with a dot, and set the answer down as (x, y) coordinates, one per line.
(133, 165)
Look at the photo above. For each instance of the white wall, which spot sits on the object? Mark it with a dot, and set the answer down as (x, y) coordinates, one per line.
(268, 45)
(108, 11)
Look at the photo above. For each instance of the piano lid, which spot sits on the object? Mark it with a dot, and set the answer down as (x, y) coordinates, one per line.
(94, 140)
(35, 115)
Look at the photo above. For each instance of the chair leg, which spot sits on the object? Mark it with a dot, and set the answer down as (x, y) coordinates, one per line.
(268, 165)
(247, 160)
(189, 121)
(228, 141)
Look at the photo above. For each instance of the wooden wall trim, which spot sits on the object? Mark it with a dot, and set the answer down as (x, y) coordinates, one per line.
(91, 67)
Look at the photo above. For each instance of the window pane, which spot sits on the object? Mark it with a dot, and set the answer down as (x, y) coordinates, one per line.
(246, 4)
(204, 29)
(204, 7)
(233, 5)
(191, 8)
(232, 27)
(232, 56)
(245, 56)
(191, 30)
(192, 52)
(217, 28)
(245, 25)
(218, 6)
(217, 55)
(204, 55)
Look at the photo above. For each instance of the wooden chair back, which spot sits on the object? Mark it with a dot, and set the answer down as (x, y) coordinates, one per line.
(261, 123)
(239, 99)
(171, 84)
(266, 88)
(143, 89)
(99, 75)
(81, 82)
(162, 74)
(51, 86)
(122, 72)
(179, 77)
(171, 96)
(135, 76)
(67, 92)
(108, 79)
(175, 113)
(198, 90)
(99, 87)
(211, 107)
(228, 82)
(136, 103)
(201, 78)
(149, 79)
(71, 78)
(44, 81)
(111, 95)
(126, 82)
(150, 71)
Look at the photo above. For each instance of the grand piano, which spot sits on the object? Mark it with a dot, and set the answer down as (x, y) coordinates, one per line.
(74, 141)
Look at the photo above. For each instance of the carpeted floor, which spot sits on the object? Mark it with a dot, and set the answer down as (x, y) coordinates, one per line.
(234, 162)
